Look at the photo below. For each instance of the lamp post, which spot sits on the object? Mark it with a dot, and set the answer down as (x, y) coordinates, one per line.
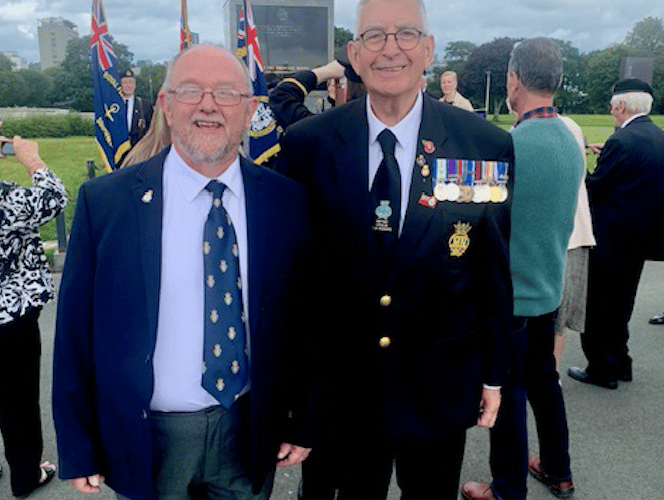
(486, 98)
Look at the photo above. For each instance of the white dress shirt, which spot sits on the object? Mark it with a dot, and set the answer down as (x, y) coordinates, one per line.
(129, 101)
(178, 356)
(406, 131)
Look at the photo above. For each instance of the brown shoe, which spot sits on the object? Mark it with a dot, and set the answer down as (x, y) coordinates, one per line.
(477, 491)
(563, 489)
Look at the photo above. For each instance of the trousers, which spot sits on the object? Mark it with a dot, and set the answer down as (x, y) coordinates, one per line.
(20, 416)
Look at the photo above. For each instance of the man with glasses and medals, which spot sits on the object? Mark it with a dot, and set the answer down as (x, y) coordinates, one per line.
(415, 304)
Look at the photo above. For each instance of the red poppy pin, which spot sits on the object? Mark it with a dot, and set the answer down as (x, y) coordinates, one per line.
(428, 147)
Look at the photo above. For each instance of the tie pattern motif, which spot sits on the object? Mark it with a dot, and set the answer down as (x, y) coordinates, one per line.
(386, 198)
(225, 360)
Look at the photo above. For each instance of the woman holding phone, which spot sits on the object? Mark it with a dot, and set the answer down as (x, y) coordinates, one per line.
(25, 286)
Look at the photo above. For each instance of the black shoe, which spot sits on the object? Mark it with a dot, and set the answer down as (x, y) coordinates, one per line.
(582, 376)
(625, 373)
(657, 319)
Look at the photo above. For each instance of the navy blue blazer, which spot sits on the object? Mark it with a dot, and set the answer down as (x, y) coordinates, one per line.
(626, 194)
(448, 319)
(140, 119)
(107, 322)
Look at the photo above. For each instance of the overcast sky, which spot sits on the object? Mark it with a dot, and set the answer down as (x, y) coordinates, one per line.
(150, 28)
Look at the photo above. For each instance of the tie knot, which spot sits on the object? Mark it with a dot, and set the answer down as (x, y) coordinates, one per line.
(387, 142)
(216, 188)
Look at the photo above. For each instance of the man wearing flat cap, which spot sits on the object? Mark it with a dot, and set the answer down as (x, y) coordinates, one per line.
(139, 110)
(626, 193)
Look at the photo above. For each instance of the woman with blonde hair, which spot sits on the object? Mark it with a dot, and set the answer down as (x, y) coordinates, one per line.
(155, 139)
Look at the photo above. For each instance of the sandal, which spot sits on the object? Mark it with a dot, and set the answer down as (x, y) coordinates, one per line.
(47, 473)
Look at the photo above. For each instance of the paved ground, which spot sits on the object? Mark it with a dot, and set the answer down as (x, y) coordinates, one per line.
(617, 437)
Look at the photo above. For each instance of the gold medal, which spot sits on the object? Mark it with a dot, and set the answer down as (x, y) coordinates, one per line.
(466, 195)
(495, 194)
(426, 171)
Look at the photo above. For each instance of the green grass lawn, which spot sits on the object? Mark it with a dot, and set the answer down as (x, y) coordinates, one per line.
(596, 129)
(68, 158)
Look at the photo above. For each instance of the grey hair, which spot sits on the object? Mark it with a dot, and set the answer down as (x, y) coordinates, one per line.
(538, 63)
(245, 71)
(450, 73)
(635, 102)
(362, 3)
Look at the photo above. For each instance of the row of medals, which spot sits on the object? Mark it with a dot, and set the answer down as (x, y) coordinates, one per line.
(450, 191)
(481, 193)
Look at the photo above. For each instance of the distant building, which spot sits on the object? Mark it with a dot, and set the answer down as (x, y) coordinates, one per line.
(18, 62)
(54, 35)
(194, 38)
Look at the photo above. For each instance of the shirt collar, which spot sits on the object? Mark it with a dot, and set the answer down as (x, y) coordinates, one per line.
(192, 183)
(404, 131)
(544, 112)
(631, 119)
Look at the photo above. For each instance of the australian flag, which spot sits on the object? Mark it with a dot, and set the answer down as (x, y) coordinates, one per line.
(110, 112)
(263, 138)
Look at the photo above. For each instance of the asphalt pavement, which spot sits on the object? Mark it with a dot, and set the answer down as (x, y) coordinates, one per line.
(617, 437)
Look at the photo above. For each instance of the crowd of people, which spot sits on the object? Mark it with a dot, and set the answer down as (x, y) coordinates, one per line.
(404, 270)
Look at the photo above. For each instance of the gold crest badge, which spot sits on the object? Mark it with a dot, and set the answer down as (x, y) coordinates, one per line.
(459, 241)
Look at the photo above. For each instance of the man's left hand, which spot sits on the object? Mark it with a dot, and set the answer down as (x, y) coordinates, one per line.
(489, 405)
(291, 454)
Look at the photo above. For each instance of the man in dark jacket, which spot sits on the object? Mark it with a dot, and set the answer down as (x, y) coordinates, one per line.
(626, 193)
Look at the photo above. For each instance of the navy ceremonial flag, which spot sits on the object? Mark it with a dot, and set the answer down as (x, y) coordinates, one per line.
(263, 138)
(185, 34)
(110, 113)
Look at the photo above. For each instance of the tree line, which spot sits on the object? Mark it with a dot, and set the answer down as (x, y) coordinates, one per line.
(586, 87)
(587, 81)
(69, 85)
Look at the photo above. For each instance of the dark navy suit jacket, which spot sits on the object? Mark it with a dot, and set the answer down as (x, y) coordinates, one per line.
(107, 323)
(626, 194)
(449, 319)
(138, 128)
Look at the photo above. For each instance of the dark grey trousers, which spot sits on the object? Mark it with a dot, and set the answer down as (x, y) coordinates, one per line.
(204, 455)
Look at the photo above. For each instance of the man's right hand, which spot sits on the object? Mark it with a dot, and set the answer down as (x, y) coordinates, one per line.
(90, 484)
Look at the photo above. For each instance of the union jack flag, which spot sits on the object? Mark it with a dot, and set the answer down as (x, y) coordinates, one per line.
(99, 37)
(111, 132)
(185, 34)
(263, 138)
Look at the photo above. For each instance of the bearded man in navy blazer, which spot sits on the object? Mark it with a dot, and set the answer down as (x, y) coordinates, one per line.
(419, 322)
(130, 363)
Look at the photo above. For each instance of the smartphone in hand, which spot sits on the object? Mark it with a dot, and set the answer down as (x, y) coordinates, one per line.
(7, 148)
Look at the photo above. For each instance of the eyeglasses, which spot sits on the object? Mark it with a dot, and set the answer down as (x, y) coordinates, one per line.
(194, 95)
(405, 38)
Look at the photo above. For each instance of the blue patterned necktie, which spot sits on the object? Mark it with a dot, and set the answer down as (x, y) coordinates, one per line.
(386, 199)
(225, 360)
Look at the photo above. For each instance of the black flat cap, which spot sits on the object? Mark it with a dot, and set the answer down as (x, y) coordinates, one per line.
(631, 85)
(127, 73)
